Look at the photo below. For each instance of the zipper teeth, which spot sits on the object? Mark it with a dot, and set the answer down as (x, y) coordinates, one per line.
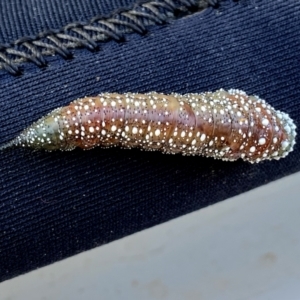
(90, 34)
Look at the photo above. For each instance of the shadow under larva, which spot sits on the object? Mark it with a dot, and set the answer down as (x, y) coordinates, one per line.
(225, 125)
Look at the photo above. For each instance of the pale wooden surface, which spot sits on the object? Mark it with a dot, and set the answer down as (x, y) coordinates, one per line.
(247, 247)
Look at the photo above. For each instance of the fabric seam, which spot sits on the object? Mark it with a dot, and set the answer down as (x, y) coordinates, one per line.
(98, 29)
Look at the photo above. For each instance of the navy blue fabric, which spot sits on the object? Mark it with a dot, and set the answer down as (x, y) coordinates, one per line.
(56, 204)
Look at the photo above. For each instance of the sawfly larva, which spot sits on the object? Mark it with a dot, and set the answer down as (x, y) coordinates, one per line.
(224, 125)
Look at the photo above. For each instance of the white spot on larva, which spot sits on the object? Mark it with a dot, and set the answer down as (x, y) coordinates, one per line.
(262, 141)
(252, 149)
(157, 132)
(183, 134)
(211, 143)
(113, 103)
(203, 136)
(284, 144)
(275, 140)
(103, 132)
(86, 107)
(194, 142)
(258, 109)
(70, 132)
(77, 131)
(134, 130)
(91, 129)
(113, 128)
(265, 122)
(203, 108)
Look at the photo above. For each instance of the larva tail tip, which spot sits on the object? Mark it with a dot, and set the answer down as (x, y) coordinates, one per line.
(8, 145)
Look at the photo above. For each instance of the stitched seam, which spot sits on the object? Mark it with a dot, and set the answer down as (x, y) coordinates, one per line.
(97, 30)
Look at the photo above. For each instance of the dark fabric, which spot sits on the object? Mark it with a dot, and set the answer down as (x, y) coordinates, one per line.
(56, 204)
(20, 18)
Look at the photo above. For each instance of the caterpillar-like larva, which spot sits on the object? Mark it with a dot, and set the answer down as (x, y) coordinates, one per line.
(224, 125)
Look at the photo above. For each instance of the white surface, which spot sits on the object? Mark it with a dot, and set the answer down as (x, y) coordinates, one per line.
(247, 247)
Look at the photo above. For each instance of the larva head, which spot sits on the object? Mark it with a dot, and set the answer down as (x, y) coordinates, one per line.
(258, 131)
(44, 134)
(281, 128)
(288, 134)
